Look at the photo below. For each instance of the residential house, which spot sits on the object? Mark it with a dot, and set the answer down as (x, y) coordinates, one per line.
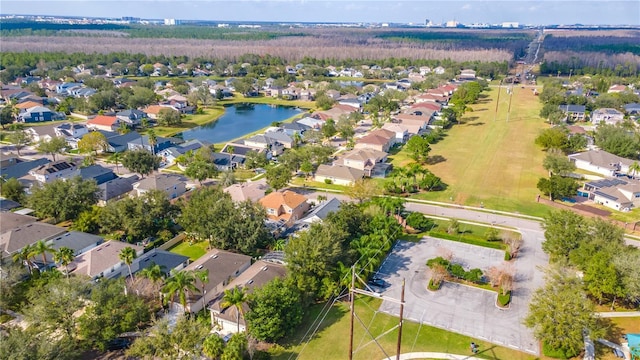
(424, 70)
(78, 241)
(20, 168)
(116, 189)
(172, 185)
(415, 124)
(132, 117)
(120, 142)
(380, 140)
(616, 88)
(255, 277)
(251, 190)
(333, 94)
(153, 110)
(71, 130)
(293, 128)
(338, 174)
(50, 172)
(67, 87)
(285, 206)
(23, 106)
(366, 160)
(7, 205)
(104, 122)
(10, 220)
(14, 239)
(308, 94)
(169, 262)
(617, 193)
(401, 131)
(607, 116)
(42, 132)
(311, 122)
(103, 260)
(39, 114)
(240, 149)
(320, 212)
(632, 109)
(223, 267)
(573, 112)
(601, 162)
(352, 102)
(171, 154)
(261, 141)
(280, 136)
(143, 143)
(467, 74)
(97, 173)
(439, 70)
(226, 162)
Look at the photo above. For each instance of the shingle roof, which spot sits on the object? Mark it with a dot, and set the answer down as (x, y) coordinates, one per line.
(166, 259)
(103, 120)
(322, 211)
(21, 236)
(340, 172)
(253, 191)
(276, 199)
(160, 181)
(21, 169)
(221, 265)
(100, 259)
(117, 187)
(601, 158)
(9, 220)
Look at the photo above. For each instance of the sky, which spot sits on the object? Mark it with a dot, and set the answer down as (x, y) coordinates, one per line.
(540, 12)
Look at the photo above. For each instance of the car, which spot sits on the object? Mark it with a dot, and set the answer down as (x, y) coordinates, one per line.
(379, 283)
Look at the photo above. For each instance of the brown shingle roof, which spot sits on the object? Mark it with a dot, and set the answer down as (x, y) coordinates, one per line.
(103, 120)
(21, 236)
(287, 197)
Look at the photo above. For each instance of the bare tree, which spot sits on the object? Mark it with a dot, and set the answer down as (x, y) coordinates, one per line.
(514, 244)
(445, 253)
(438, 274)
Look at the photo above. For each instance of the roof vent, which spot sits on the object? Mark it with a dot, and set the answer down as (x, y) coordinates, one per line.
(199, 267)
(264, 268)
(214, 256)
(250, 282)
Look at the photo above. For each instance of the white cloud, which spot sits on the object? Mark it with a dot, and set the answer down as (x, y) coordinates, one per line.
(466, 7)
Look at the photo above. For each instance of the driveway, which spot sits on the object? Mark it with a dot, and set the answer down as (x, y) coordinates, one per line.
(460, 308)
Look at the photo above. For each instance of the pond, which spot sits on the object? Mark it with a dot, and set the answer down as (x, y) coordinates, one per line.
(239, 120)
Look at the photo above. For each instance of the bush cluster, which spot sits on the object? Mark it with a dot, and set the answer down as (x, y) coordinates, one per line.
(456, 270)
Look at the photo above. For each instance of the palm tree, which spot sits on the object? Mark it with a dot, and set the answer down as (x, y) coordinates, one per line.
(23, 256)
(116, 158)
(236, 298)
(230, 150)
(203, 276)
(155, 273)
(64, 256)
(153, 140)
(42, 248)
(634, 169)
(180, 284)
(127, 255)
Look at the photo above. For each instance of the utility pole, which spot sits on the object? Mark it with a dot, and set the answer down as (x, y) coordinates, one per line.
(352, 310)
(509, 109)
(400, 324)
(495, 115)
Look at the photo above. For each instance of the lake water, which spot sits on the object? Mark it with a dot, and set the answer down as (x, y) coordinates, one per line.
(239, 120)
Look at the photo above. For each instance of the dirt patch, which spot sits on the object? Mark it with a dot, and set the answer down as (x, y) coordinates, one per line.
(592, 210)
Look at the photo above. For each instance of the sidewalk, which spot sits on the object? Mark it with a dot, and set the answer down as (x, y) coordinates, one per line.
(614, 314)
(433, 355)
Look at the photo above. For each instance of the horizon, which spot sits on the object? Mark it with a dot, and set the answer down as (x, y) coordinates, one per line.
(539, 13)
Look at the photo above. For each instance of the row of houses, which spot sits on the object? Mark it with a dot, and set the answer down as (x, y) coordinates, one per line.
(607, 116)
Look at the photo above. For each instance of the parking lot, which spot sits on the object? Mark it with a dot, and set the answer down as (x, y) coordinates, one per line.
(460, 308)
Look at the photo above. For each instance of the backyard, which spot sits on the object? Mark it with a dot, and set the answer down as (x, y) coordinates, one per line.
(332, 339)
(489, 161)
(193, 251)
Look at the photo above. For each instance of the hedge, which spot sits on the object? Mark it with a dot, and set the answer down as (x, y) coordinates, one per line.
(557, 353)
(432, 286)
(504, 300)
(462, 239)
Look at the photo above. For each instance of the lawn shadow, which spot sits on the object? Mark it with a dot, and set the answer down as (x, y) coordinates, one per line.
(313, 319)
(488, 353)
(468, 119)
(475, 124)
(435, 159)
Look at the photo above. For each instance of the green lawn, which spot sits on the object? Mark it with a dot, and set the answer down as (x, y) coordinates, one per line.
(332, 340)
(468, 233)
(191, 121)
(494, 162)
(194, 251)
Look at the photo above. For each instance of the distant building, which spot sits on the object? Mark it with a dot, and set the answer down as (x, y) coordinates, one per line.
(510, 25)
(172, 22)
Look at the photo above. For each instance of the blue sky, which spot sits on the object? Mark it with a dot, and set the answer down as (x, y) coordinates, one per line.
(610, 12)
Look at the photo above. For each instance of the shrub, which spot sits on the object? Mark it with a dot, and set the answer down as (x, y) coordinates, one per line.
(433, 286)
(507, 255)
(466, 240)
(418, 221)
(438, 261)
(457, 270)
(492, 235)
(503, 300)
(547, 350)
(328, 181)
(473, 275)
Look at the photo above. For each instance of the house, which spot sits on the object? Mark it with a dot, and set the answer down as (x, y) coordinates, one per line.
(607, 116)
(226, 162)
(21, 168)
(251, 190)
(39, 114)
(280, 136)
(352, 102)
(169, 262)
(401, 131)
(240, 149)
(97, 173)
(78, 241)
(23, 106)
(601, 162)
(338, 174)
(573, 112)
(380, 140)
(261, 141)
(50, 172)
(320, 212)
(42, 132)
(116, 189)
(171, 154)
(71, 130)
(333, 94)
(14, 239)
(142, 143)
(293, 128)
(256, 276)
(467, 74)
(119, 143)
(132, 117)
(153, 110)
(104, 122)
(223, 266)
(285, 206)
(103, 260)
(312, 123)
(617, 88)
(67, 87)
(439, 70)
(11, 220)
(415, 125)
(618, 194)
(368, 160)
(172, 185)
(632, 109)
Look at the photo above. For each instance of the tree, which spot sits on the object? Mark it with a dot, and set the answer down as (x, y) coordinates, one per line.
(626, 263)
(329, 128)
(64, 256)
(602, 279)
(418, 147)
(127, 255)
(23, 257)
(230, 150)
(64, 200)
(236, 347)
(235, 298)
(180, 284)
(278, 177)
(56, 145)
(111, 313)
(617, 140)
(213, 346)
(254, 159)
(169, 117)
(564, 231)
(557, 163)
(92, 141)
(182, 341)
(42, 248)
(227, 178)
(140, 161)
(557, 187)
(6, 115)
(323, 102)
(634, 169)
(200, 170)
(363, 190)
(12, 189)
(553, 138)
(19, 138)
(419, 222)
(203, 277)
(153, 140)
(559, 313)
(276, 311)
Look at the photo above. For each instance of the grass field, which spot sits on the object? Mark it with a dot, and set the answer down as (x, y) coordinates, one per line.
(191, 121)
(491, 161)
(192, 251)
(332, 340)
